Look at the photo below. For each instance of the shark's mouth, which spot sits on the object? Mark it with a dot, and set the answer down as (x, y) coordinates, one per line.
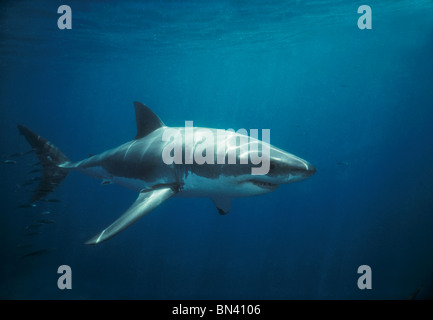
(264, 185)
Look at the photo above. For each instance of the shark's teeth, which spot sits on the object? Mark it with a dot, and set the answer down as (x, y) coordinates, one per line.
(264, 184)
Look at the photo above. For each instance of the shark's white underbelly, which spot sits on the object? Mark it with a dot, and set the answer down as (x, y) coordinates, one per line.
(193, 185)
(233, 187)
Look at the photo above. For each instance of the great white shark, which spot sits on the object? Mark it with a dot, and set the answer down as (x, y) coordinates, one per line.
(138, 165)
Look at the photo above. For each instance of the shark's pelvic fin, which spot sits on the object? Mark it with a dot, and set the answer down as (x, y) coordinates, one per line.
(223, 204)
(146, 202)
(147, 120)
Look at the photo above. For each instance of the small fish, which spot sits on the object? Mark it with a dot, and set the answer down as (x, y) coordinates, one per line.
(414, 294)
(19, 154)
(33, 226)
(37, 253)
(28, 152)
(343, 163)
(31, 234)
(9, 162)
(45, 221)
(38, 163)
(104, 182)
(27, 183)
(46, 212)
(26, 205)
(34, 171)
(23, 245)
(14, 155)
(53, 200)
(30, 181)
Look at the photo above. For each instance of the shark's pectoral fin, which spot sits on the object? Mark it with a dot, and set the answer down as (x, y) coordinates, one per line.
(146, 202)
(223, 204)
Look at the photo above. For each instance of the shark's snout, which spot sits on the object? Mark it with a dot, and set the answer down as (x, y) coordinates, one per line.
(287, 168)
(310, 170)
(301, 170)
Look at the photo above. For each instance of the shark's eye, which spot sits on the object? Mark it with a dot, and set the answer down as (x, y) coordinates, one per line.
(272, 166)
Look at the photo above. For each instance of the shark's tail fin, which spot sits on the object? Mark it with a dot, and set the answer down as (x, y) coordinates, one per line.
(50, 158)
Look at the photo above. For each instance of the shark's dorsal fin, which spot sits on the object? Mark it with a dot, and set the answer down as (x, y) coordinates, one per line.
(147, 120)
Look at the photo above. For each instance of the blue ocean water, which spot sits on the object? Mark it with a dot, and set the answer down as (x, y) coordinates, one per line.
(358, 104)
